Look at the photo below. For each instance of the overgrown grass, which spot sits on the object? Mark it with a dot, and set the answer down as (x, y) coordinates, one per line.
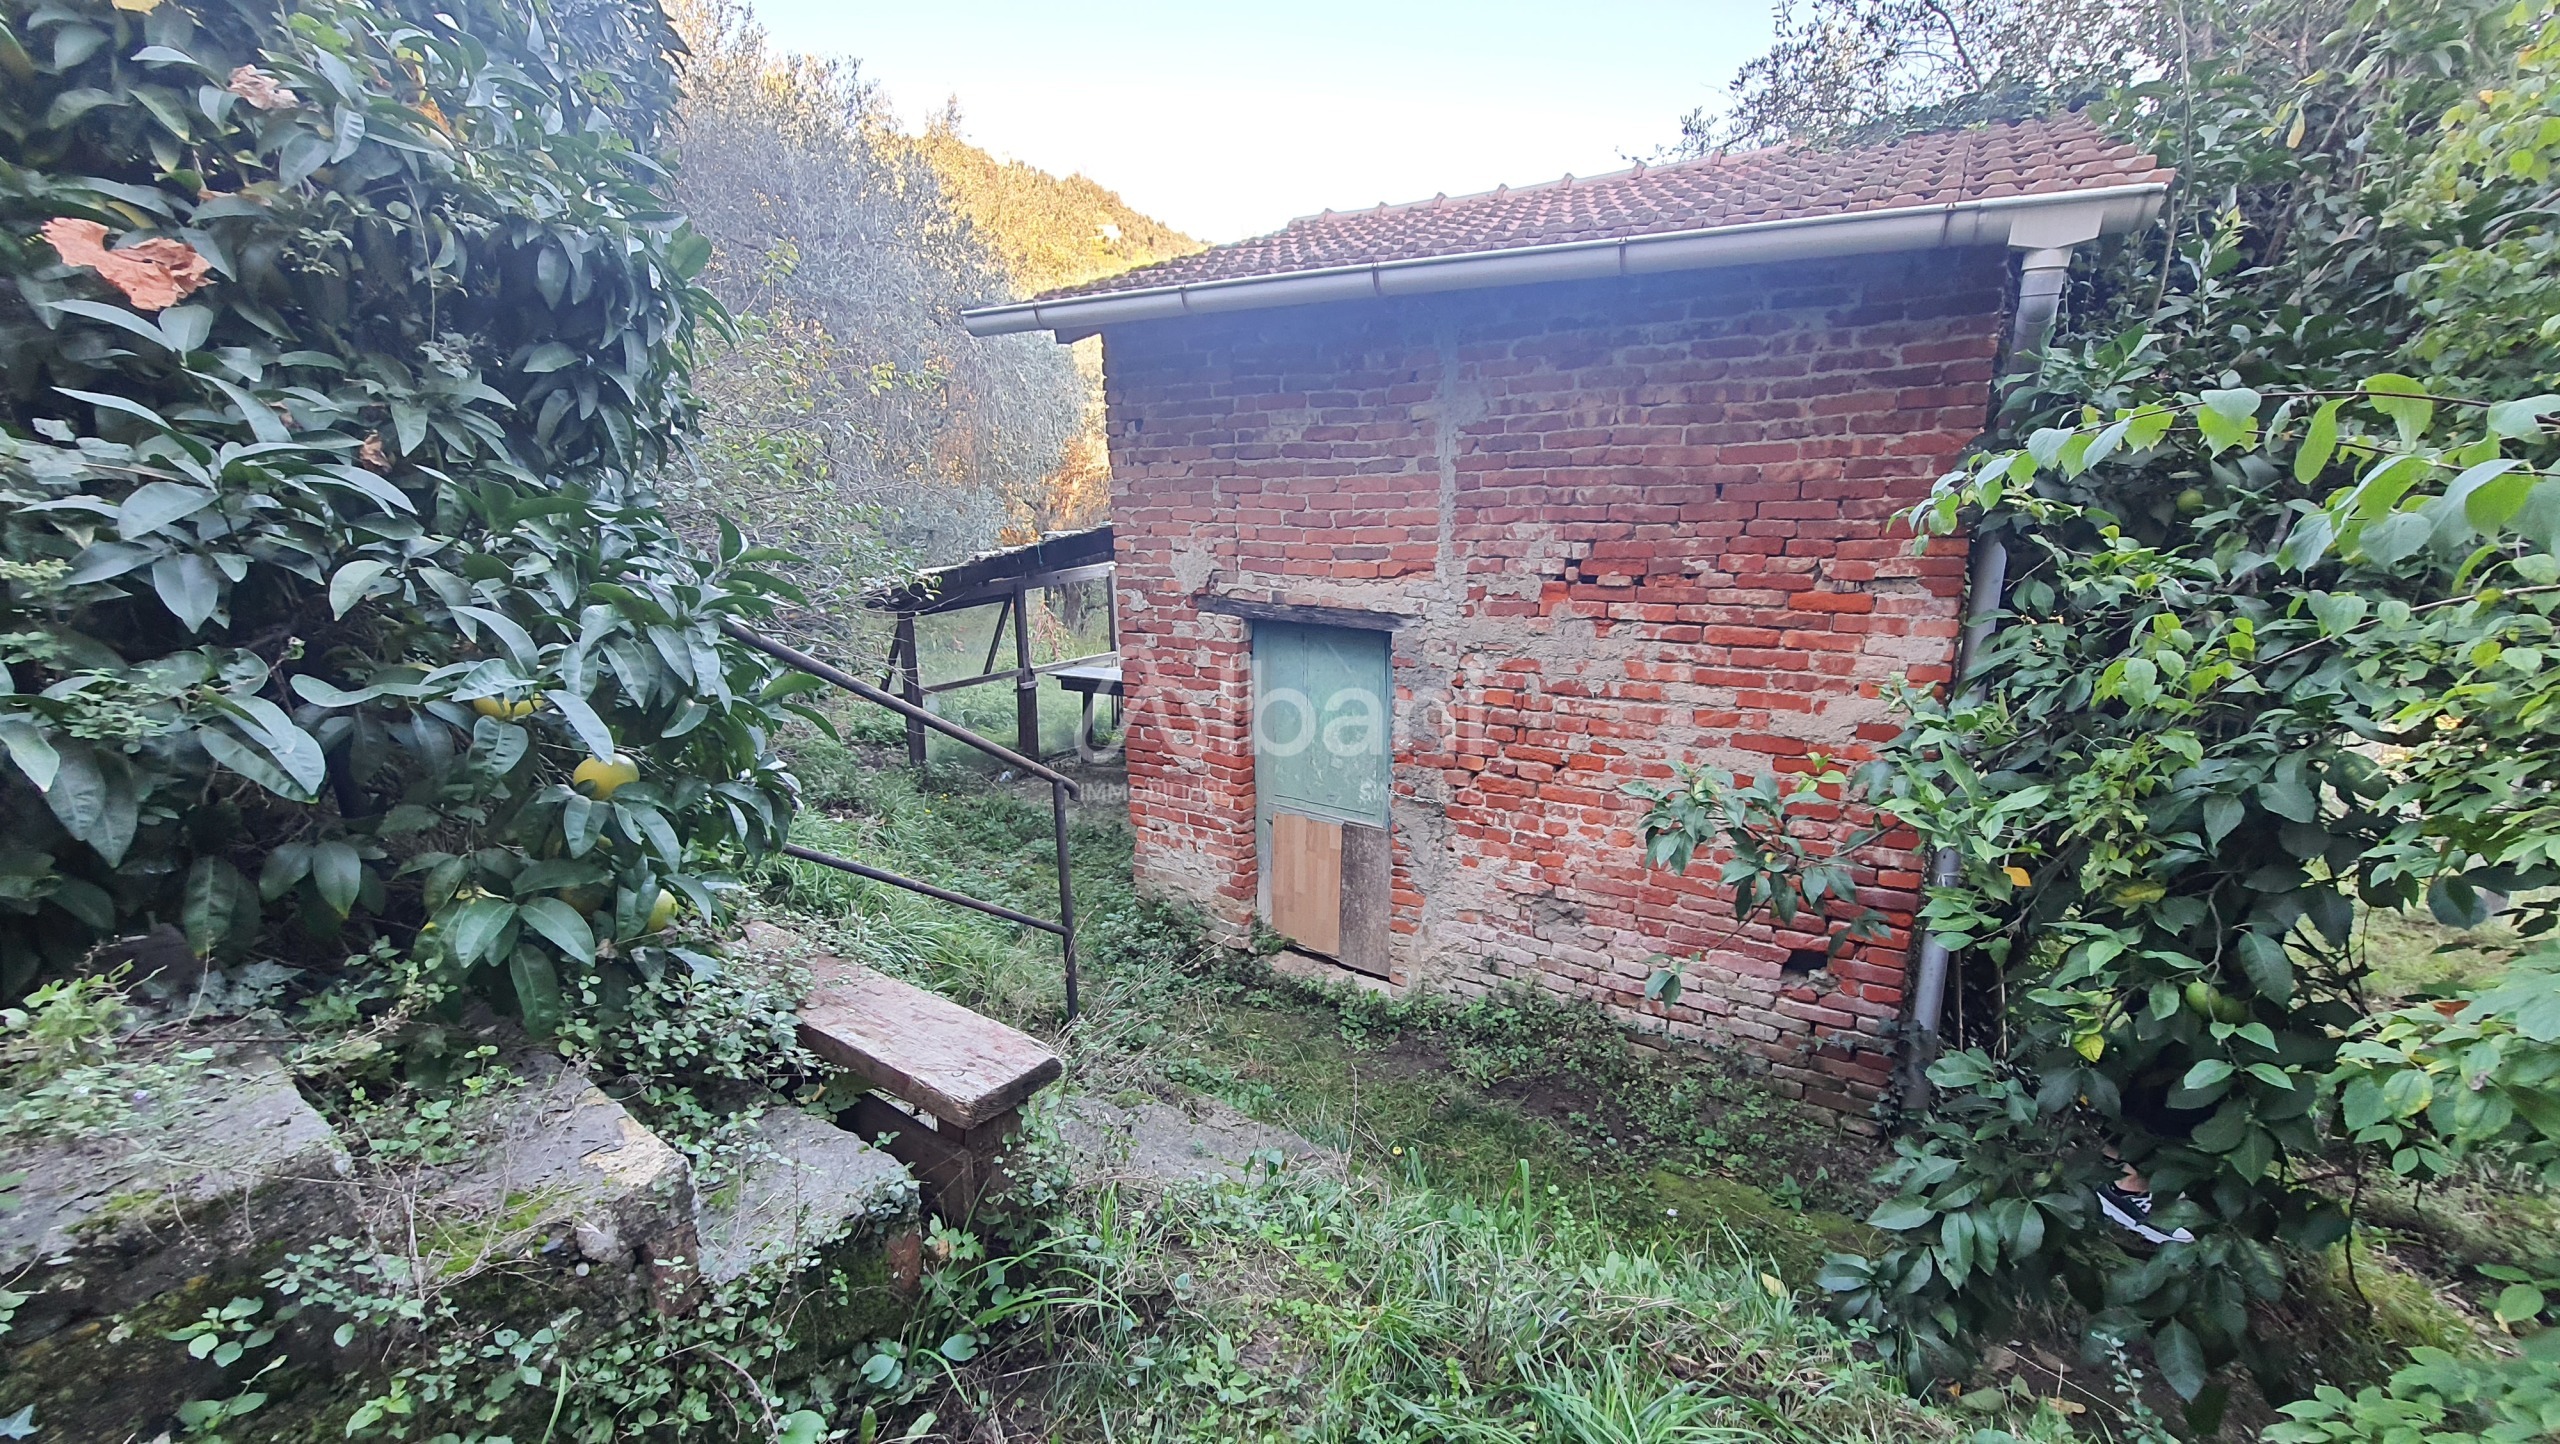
(2411, 954)
(1394, 1308)
(1539, 1233)
(1674, 1146)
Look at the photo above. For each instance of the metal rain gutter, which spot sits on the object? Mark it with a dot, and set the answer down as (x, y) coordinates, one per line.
(2027, 222)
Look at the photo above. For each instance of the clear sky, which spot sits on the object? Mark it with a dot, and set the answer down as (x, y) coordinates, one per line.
(1226, 120)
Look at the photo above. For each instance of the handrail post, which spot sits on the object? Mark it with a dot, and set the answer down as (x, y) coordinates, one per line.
(1026, 682)
(1066, 893)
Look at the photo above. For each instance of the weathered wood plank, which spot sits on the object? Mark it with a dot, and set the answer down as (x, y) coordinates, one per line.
(1368, 896)
(962, 1067)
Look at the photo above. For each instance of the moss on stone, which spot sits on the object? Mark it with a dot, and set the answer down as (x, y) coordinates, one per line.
(852, 1300)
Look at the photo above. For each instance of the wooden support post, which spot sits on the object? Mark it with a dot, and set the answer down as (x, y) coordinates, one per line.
(910, 683)
(957, 1168)
(1111, 638)
(996, 642)
(1026, 683)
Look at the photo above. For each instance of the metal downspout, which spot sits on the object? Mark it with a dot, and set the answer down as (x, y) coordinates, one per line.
(2041, 275)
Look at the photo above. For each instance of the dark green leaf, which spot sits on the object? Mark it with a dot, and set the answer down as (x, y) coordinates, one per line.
(561, 926)
(338, 873)
(189, 587)
(219, 905)
(29, 749)
(2269, 968)
(537, 986)
(352, 581)
(475, 927)
(2181, 1361)
(155, 504)
(584, 721)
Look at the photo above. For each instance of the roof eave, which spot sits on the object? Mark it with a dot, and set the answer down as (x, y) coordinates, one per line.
(2024, 222)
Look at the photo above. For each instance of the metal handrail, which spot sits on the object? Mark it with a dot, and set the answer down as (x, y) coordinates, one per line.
(900, 705)
(1061, 787)
(846, 864)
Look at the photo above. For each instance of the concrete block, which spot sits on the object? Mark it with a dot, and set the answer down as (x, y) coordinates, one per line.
(566, 1166)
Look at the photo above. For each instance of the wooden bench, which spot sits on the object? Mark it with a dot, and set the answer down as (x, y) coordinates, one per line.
(962, 1076)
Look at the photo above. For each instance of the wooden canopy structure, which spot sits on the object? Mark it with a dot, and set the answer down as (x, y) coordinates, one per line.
(1003, 580)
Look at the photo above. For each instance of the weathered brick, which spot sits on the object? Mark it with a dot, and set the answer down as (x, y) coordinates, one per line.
(1643, 525)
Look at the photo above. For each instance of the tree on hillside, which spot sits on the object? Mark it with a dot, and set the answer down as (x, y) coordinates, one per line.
(852, 419)
(1834, 66)
(1049, 233)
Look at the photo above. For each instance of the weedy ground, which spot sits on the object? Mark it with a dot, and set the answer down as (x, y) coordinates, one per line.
(1545, 1232)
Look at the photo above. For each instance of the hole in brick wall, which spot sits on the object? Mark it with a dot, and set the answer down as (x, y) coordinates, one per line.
(1719, 491)
(1801, 961)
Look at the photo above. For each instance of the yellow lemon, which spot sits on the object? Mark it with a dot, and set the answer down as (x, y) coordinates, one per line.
(663, 912)
(502, 709)
(604, 779)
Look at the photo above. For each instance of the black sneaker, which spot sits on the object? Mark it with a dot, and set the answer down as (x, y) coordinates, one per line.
(2132, 1212)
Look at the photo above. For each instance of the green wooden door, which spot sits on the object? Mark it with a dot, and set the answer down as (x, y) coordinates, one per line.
(1322, 704)
(1321, 709)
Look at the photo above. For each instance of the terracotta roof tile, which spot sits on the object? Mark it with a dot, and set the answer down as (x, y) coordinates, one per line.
(2063, 153)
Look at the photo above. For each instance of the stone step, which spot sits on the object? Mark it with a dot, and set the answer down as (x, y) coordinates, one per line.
(232, 1165)
(802, 1185)
(565, 1172)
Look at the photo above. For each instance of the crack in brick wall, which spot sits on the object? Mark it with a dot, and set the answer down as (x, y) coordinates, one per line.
(1636, 525)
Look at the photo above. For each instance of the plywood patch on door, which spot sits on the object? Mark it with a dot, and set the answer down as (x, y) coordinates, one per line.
(1306, 881)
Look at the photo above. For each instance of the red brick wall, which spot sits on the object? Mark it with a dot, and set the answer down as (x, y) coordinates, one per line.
(1638, 524)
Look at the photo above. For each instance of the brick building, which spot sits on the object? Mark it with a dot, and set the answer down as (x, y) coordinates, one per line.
(1438, 524)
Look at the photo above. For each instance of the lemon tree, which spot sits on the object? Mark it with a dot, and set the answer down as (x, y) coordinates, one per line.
(338, 349)
(2282, 513)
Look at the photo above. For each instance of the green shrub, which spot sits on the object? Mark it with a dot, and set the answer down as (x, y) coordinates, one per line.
(2442, 1399)
(327, 548)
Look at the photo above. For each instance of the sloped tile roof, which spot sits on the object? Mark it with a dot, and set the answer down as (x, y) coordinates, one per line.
(2062, 153)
